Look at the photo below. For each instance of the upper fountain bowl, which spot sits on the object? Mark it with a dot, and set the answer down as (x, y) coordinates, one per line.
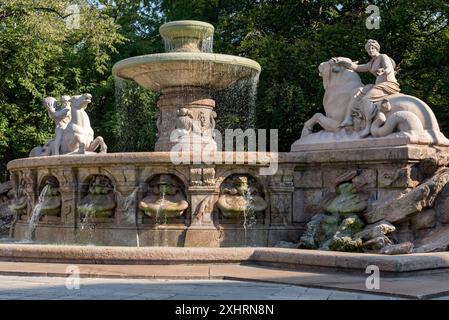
(187, 35)
(180, 69)
(189, 61)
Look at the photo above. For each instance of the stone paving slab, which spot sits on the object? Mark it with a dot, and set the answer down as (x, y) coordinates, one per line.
(292, 258)
(17, 287)
(413, 286)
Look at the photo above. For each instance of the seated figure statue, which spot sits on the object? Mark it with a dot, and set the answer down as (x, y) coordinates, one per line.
(60, 113)
(382, 67)
(354, 111)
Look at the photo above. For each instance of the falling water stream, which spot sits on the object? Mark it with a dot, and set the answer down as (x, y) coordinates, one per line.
(87, 222)
(249, 216)
(37, 212)
(161, 219)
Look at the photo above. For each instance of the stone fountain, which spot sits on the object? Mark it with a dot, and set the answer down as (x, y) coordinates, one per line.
(172, 204)
(186, 76)
(374, 179)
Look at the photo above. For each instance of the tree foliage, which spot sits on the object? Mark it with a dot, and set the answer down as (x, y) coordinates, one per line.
(41, 55)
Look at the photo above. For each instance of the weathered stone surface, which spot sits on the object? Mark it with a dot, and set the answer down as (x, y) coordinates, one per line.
(436, 240)
(310, 178)
(299, 215)
(328, 227)
(442, 205)
(313, 201)
(307, 240)
(416, 200)
(403, 233)
(347, 201)
(320, 229)
(352, 224)
(402, 248)
(286, 244)
(334, 176)
(5, 187)
(375, 230)
(397, 177)
(343, 239)
(424, 219)
(377, 243)
(345, 244)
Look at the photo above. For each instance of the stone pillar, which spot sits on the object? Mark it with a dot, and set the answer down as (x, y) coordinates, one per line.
(68, 188)
(29, 177)
(202, 231)
(125, 179)
(188, 110)
(281, 190)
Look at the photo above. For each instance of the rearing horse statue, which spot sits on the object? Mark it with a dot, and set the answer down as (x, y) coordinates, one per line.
(77, 136)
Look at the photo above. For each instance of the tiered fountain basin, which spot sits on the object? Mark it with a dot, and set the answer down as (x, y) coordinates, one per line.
(186, 69)
(115, 187)
(186, 75)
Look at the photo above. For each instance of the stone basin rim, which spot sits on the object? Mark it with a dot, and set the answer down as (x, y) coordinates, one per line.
(185, 57)
(169, 29)
(133, 158)
(193, 255)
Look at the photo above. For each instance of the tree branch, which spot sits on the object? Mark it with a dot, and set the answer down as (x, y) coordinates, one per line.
(433, 32)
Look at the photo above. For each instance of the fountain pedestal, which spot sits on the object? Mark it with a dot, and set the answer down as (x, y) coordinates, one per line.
(185, 119)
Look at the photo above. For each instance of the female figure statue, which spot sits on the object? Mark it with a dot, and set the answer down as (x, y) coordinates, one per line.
(367, 99)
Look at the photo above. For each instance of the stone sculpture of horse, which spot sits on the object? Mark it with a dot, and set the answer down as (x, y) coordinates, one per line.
(78, 136)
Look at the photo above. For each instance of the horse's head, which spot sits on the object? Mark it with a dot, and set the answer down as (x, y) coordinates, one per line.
(334, 69)
(81, 101)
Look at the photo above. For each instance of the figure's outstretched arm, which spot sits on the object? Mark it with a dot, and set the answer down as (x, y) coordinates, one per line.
(50, 105)
(61, 114)
(352, 65)
(360, 67)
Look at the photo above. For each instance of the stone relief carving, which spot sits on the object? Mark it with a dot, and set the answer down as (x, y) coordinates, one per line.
(166, 198)
(100, 199)
(20, 202)
(240, 195)
(184, 121)
(51, 204)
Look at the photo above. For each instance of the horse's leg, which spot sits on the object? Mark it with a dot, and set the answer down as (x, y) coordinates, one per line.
(327, 123)
(93, 145)
(98, 142)
(308, 126)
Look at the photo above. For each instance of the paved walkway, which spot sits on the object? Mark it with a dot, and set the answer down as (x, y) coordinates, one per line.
(54, 288)
(422, 285)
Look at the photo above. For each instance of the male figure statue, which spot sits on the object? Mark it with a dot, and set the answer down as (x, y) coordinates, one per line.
(61, 115)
